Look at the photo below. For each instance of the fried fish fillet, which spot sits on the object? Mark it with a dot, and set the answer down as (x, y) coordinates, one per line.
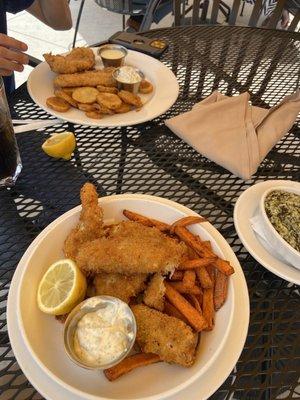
(131, 248)
(122, 286)
(154, 294)
(89, 78)
(90, 224)
(172, 339)
(79, 59)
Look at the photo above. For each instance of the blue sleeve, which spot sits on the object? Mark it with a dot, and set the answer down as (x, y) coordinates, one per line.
(14, 6)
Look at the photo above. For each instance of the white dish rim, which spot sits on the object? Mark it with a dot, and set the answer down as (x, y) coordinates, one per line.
(100, 123)
(217, 237)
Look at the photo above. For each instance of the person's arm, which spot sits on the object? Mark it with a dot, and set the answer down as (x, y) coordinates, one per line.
(55, 13)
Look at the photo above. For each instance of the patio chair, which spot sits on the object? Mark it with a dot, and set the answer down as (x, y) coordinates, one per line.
(133, 8)
(199, 10)
(125, 7)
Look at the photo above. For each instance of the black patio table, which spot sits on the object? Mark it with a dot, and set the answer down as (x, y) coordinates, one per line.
(149, 159)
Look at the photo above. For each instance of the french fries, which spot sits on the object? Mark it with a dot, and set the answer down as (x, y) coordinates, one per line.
(146, 221)
(194, 301)
(173, 312)
(193, 292)
(182, 288)
(187, 237)
(204, 278)
(196, 263)
(189, 278)
(176, 276)
(130, 363)
(207, 244)
(196, 320)
(193, 219)
(208, 307)
(221, 289)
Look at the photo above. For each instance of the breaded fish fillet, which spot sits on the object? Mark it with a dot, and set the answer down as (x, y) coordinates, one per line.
(170, 338)
(154, 294)
(131, 248)
(79, 59)
(88, 78)
(90, 224)
(122, 286)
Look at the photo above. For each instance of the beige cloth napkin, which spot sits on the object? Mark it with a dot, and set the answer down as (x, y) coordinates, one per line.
(234, 134)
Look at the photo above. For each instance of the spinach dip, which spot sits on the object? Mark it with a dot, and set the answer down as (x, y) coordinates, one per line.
(283, 211)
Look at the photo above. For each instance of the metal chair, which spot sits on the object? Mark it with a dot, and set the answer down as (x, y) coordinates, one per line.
(199, 17)
(132, 8)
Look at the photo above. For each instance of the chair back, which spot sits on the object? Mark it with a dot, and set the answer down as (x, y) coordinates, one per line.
(126, 7)
(200, 8)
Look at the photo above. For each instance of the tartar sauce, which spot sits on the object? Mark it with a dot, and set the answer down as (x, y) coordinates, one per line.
(102, 336)
(128, 74)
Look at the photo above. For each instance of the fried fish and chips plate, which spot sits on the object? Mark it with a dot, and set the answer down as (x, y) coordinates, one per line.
(165, 91)
(37, 338)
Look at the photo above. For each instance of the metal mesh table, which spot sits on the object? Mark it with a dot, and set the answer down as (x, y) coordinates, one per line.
(148, 158)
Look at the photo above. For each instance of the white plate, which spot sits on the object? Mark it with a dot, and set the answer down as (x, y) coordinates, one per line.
(41, 381)
(245, 208)
(166, 89)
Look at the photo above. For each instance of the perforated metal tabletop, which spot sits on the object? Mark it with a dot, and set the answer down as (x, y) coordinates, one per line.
(149, 159)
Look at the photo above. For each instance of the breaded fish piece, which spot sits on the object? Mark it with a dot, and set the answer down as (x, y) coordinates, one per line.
(131, 248)
(122, 286)
(154, 294)
(88, 78)
(172, 339)
(79, 59)
(90, 224)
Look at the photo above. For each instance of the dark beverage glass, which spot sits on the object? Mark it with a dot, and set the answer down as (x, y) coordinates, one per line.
(10, 161)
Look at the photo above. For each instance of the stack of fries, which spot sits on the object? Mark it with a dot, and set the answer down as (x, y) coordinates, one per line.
(193, 292)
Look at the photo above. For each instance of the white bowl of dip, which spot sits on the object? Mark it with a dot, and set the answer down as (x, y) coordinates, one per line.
(43, 334)
(275, 240)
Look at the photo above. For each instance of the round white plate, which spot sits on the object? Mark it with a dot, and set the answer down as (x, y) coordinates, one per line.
(245, 208)
(213, 377)
(166, 89)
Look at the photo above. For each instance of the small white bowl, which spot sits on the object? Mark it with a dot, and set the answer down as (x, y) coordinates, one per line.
(291, 255)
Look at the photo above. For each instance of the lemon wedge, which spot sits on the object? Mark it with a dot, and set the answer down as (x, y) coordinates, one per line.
(62, 287)
(60, 145)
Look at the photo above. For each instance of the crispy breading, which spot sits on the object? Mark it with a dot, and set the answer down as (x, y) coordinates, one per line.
(90, 224)
(122, 286)
(154, 294)
(109, 100)
(79, 59)
(131, 248)
(130, 98)
(172, 339)
(88, 78)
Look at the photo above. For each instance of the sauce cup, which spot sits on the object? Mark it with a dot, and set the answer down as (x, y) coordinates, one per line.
(128, 78)
(93, 305)
(112, 55)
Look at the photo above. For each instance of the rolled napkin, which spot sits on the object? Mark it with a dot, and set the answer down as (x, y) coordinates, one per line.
(234, 134)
